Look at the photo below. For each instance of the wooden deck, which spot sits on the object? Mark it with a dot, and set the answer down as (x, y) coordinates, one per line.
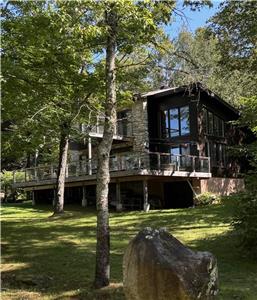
(124, 167)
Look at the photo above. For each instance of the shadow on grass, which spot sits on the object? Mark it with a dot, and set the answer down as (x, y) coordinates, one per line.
(56, 257)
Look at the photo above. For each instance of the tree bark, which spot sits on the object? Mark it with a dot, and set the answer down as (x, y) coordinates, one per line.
(63, 154)
(102, 274)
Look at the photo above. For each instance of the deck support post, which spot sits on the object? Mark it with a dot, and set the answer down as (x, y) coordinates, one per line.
(33, 198)
(89, 147)
(118, 197)
(145, 193)
(84, 198)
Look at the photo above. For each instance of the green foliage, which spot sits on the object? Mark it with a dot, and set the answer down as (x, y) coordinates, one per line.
(244, 220)
(6, 180)
(207, 198)
(198, 58)
(6, 185)
(235, 27)
(53, 61)
(245, 212)
(47, 78)
(248, 107)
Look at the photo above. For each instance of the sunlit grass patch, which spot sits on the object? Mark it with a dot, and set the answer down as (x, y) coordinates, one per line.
(46, 257)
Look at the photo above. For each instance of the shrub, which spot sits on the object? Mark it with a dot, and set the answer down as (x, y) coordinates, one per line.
(244, 221)
(6, 186)
(206, 199)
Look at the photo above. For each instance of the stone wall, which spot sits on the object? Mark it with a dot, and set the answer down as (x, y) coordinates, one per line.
(222, 186)
(140, 126)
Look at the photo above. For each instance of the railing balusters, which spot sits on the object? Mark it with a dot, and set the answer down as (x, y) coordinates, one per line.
(178, 163)
(193, 163)
(150, 160)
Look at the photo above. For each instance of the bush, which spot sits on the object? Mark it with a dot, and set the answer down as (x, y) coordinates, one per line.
(244, 221)
(206, 199)
(11, 195)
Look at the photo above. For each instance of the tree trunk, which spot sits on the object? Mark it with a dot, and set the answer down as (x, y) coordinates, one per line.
(63, 154)
(102, 275)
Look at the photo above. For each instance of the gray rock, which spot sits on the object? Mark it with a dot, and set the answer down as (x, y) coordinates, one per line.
(156, 266)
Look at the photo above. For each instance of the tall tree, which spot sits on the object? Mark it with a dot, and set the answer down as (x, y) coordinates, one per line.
(198, 57)
(48, 82)
(129, 26)
(103, 176)
(235, 27)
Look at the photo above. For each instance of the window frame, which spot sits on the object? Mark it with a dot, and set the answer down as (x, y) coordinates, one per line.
(217, 132)
(168, 130)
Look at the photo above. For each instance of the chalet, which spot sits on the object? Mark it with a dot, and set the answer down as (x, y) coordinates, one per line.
(170, 145)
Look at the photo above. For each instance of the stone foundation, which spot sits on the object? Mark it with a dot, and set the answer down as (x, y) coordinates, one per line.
(220, 186)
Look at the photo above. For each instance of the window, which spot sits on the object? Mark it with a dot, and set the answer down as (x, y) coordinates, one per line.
(184, 120)
(212, 124)
(182, 149)
(221, 127)
(217, 152)
(177, 122)
(174, 122)
(175, 150)
(185, 149)
(215, 125)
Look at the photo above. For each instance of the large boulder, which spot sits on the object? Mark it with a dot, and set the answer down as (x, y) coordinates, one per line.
(156, 266)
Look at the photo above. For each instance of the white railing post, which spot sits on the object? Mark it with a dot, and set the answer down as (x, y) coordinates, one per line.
(14, 176)
(193, 163)
(89, 167)
(139, 162)
(89, 150)
(67, 171)
(36, 174)
(178, 162)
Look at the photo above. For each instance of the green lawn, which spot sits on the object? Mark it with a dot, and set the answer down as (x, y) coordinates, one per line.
(53, 258)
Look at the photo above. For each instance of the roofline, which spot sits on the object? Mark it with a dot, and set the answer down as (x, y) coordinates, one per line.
(174, 90)
(212, 94)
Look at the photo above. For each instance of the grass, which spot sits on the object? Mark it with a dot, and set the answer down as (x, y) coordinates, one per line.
(47, 257)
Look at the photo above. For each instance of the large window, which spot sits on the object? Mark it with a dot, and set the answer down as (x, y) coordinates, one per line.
(212, 124)
(177, 121)
(174, 122)
(182, 149)
(184, 120)
(217, 152)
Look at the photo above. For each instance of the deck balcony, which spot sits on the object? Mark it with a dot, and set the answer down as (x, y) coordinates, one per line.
(122, 130)
(150, 164)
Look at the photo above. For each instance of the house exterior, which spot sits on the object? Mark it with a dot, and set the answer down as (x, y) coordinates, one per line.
(170, 145)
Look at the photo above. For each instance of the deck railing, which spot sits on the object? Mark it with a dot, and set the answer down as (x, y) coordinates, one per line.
(122, 128)
(149, 161)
